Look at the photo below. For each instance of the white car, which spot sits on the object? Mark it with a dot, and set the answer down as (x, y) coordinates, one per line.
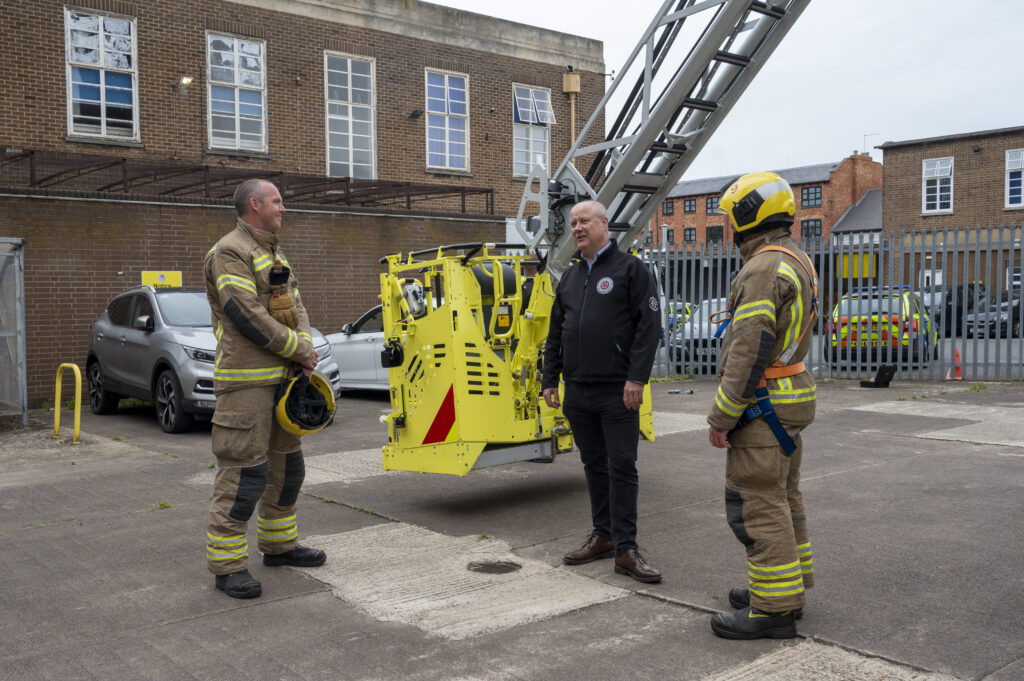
(357, 352)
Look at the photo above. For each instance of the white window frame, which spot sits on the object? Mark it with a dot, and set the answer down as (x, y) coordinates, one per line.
(536, 129)
(447, 116)
(238, 88)
(102, 48)
(328, 117)
(1014, 164)
(932, 170)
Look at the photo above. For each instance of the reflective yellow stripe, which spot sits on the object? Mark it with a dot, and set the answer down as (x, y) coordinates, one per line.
(305, 336)
(797, 309)
(283, 262)
(792, 396)
(236, 540)
(787, 570)
(219, 332)
(248, 374)
(275, 524)
(281, 530)
(776, 589)
(765, 307)
(225, 280)
(291, 346)
(727, 405)
(212, 249)
(804, 549)
(226, 548)
(261, 263)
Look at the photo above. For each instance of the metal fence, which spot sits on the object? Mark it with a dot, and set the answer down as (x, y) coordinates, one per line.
(13, 382)
(927, 303)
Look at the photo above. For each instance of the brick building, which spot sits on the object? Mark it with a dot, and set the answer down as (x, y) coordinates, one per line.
(955, 181)
(389, 125)
(823, 192)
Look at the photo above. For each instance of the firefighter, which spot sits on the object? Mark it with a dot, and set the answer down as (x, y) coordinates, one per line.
(263, 338)
(765, 398)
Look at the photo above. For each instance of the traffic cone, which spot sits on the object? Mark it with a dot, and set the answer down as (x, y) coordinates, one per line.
(957, 370)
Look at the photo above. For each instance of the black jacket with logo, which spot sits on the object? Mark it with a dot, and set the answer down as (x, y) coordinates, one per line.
(605, 323)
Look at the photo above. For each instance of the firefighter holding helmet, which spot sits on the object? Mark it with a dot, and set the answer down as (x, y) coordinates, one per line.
(765, 398)
(263, 341)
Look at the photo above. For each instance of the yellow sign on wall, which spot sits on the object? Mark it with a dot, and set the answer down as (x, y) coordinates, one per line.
(159, 279)
(857, 265)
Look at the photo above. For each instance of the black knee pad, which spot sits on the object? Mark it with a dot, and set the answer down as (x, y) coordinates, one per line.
(294, 474)
(734, 514)
(251, 483)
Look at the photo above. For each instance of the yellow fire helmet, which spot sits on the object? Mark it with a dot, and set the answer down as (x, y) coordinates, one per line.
(305, 404)
(758, 198)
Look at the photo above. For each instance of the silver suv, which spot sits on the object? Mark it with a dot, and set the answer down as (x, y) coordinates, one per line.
(157, 345)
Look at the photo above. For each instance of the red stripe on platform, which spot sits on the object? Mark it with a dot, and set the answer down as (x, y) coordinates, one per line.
(443, 421)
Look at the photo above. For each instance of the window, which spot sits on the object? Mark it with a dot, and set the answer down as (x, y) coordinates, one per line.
(447, 120)
(810, 230)
(668, 208)
(689, 205)
(810, 196)
(714, 232)
(711, 205)
(118, 310)
(143, 308)
(690, 234)
(670, 236)
(531, 117)
(236, 92)
(1014, 172)
(937, 185)
(351, 116)
(101, 75)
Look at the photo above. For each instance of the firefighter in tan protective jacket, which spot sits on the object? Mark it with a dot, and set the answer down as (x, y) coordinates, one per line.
(764, 399)
(263, 336)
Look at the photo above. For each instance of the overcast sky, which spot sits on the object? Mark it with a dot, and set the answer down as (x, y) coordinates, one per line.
(890, 70)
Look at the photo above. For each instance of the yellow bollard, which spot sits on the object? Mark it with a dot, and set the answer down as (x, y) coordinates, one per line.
(78, 401)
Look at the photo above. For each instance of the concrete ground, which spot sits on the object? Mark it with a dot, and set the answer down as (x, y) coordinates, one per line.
(914, 495)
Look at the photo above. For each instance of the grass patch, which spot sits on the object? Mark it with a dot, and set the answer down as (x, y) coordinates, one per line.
(161, 505)
(978, 387)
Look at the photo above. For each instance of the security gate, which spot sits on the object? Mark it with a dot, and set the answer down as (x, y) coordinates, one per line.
(932, 304)
(13, 382)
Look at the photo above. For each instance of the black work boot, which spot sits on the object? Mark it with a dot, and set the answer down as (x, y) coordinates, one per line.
(750, 623)
(739, 597)
(300, 556)
(239, 584)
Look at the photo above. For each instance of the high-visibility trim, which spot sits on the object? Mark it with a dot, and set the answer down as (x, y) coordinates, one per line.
(776, 589)
(248, 374)
(786, 570)
(226, 548)
(212, 249)
(723, 402)
(219, 332)
(225, 280)
(792, 334)
(283, 262)
(305, 336)
(792, 396)
(291, 346)
(282, 530)
(803, 549)
(765, 307)
(262, 262)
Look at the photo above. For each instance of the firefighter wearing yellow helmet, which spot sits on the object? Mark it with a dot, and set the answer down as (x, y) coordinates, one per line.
(765, 398)
(263, 337)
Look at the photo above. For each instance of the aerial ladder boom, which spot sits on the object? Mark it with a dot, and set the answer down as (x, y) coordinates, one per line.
(670, 113)
(466, 323)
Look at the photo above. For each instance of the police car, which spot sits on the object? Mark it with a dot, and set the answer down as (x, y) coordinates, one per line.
(879, 325)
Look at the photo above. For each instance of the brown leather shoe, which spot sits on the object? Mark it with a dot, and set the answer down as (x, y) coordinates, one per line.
(595, 547)
(633, 564)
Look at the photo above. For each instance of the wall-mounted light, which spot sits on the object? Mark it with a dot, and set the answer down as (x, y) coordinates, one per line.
(183, 84)
(416, 113)
(975, 148)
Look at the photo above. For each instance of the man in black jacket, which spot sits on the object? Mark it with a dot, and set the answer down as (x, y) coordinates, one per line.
(604, 332)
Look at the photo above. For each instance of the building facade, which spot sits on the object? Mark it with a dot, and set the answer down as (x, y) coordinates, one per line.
(955, 181)
(390, 125)
(824, 193)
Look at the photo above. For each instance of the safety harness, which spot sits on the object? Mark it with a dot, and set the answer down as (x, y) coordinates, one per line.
(780, 368)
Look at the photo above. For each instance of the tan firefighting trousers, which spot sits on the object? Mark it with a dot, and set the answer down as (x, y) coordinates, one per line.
(257, 461)
(765, 510)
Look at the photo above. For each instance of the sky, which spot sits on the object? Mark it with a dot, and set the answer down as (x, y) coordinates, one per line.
(850, 74)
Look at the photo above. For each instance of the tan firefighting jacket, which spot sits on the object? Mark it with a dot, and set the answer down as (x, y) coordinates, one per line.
(770, 299)
(253, 348)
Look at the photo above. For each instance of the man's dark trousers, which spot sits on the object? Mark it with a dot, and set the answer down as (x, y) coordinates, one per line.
(606, 433)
